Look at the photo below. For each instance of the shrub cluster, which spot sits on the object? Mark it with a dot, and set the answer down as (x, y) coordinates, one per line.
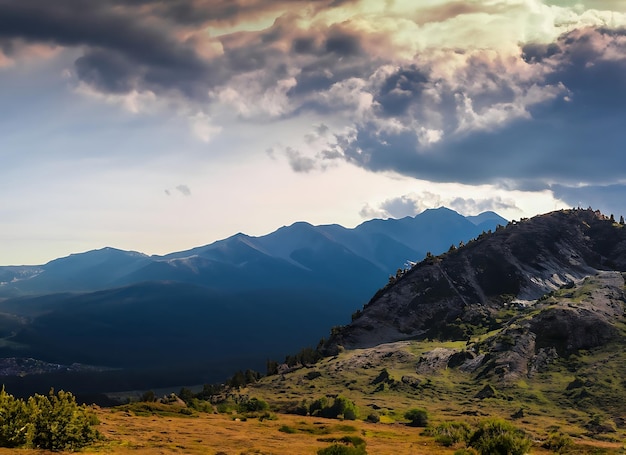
(53, 422)
(348, 445)
(417, 417)
(499, 437)
(451, 433)
(340, 408)
(491, 437)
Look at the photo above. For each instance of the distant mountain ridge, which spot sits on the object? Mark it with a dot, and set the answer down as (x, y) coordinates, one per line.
(227, 305)
(301, 251)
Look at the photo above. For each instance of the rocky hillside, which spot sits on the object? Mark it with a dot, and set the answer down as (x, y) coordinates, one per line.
(527, 323)
(478, 287)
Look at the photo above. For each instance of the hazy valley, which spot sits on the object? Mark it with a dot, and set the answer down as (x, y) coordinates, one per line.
(114, 320)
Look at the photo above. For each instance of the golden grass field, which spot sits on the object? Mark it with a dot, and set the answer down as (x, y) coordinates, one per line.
(212, 434)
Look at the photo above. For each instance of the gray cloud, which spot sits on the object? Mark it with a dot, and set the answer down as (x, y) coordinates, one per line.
(159, 45)
(400, 207)
(184, 190)
(230, 12)
(342, 43)
(299, 162)
(400, 90)
(571, 133)
(123, 50)
(607, 198)
(470, 206)
(414, 203)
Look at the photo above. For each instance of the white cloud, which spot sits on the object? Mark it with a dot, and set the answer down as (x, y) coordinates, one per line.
(203, 128)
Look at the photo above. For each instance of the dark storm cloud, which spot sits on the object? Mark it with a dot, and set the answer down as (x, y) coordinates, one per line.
(106, 71)
(152, 45)
(77, 23)
(400, 90)
(304, 45)
(574, 137)
(325, 71)
(122, 51)
(590, 63)
(197, 12)
(342, 43)
(608, 199)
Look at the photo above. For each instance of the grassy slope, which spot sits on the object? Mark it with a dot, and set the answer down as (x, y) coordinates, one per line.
(211, 434)
(450, 394)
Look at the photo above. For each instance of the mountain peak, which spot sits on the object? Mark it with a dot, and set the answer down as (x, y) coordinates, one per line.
(487, 216)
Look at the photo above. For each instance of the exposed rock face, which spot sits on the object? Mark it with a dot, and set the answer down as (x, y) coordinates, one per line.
(588, 318)
(441, 296)
(551, 285)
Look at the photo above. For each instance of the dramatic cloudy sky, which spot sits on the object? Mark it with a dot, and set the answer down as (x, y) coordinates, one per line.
(159, 125)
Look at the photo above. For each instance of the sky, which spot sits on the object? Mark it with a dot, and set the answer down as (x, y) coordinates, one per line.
(161, 125)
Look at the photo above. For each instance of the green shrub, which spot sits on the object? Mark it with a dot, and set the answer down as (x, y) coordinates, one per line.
(499, 437)
(557, 442)
(53, 422)
(318, 405)
(226, 407)
(347, 445)
(417, 417)
(373, 417)
(342, 407)
(266, 415)
(287, 429)
(345, 408)
(450, 433)
(15, 428)
(200, 405)
(148, 396)
(349, 440)
(301, 409)
(340, 449)
(253, 405)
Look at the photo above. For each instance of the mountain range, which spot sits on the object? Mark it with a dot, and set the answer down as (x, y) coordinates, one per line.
(204, 312)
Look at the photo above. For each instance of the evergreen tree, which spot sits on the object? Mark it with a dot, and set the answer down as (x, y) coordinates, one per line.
(271, 367)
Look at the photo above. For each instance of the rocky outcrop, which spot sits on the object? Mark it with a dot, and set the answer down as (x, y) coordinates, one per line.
(542, 286)
(454, 295)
